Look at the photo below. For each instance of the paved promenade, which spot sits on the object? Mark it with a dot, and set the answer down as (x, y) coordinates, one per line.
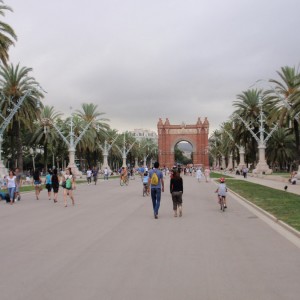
(109, 246)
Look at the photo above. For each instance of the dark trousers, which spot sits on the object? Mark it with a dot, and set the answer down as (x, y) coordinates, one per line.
(155, 196)
(177, 199)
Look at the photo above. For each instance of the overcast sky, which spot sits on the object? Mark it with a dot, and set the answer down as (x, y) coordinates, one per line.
(140, 60)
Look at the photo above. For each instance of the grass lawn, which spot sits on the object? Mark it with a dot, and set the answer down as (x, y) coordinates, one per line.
(218, 175)
(283, 205)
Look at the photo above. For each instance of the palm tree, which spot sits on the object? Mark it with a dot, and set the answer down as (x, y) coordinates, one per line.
(247, 105)
(15, 83)
(281, 148)
(96, 132)
(45, 133)
(7, 35)
(284, 100)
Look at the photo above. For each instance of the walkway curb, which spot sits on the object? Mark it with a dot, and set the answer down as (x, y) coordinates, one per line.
(267, 214)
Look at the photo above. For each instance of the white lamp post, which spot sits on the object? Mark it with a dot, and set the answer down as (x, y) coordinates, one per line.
(71, 143)
(6, 121)
(34, 153)
(125, 152)
(262, 166)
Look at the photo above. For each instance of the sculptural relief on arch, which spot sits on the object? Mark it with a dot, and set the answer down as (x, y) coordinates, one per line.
(169, 135)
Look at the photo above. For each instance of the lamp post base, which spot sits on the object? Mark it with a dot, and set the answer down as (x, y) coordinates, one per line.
(3, 170)
(75, 170)
(262, 168)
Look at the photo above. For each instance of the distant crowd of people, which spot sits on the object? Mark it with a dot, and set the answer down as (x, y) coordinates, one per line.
(152, 179)
(11, 184)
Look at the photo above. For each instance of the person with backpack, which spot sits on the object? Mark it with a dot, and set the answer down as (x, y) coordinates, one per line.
(156, 183)
(69, 186)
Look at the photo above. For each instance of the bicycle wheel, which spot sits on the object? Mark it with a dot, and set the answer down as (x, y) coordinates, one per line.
(222, 204)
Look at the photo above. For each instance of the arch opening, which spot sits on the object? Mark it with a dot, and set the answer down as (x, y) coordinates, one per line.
(183, 153)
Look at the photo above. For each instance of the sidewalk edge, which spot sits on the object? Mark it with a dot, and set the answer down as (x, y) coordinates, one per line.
(267, 214)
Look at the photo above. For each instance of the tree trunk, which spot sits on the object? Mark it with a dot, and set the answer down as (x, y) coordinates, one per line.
(16, 126)
(46, 155)
(296, 128)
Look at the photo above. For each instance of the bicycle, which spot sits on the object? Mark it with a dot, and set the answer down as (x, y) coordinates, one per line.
(145, 190)
(222, 203)
(124, 181)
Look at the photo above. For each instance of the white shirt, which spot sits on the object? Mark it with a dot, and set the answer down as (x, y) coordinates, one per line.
(11, 182)
(199, 173)
(88, 173)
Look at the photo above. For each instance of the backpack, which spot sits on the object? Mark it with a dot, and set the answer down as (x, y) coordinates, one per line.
(68, 183)
(154, 179)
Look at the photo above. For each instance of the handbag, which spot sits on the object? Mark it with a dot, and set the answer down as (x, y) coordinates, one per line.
(63, 184)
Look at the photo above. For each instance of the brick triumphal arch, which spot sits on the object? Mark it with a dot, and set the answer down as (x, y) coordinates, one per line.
(169, 135)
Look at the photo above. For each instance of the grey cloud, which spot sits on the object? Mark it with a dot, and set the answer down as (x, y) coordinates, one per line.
(141, 60)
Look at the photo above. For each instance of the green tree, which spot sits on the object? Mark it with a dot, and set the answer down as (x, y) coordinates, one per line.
(15, 83)
(247, 107)
(7, 35)
(96, 132)
(281, 148)
(284, 101)
(45, 133)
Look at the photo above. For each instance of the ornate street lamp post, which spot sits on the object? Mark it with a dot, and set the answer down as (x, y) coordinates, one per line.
(125, 152)
(71, 143)
(6, 121)
(105, 149)
(241, 153)
(262, 166)
(34, 153)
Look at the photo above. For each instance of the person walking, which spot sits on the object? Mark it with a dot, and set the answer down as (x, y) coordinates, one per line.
(106, 173)
(18, 184)
(69, 186)
(48, 183)
(55, 184)
(245, 171)
(36, 181)
(207, 174)
(89, 175)
(156, 182)
(199, 174)
(176, 190)
(11, 185)
(95, 174)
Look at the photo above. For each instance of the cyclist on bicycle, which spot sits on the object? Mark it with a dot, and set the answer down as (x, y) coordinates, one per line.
(145, 182)
(124, 174)
(222, 190)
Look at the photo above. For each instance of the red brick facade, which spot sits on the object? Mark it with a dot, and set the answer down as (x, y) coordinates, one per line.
(169, 135)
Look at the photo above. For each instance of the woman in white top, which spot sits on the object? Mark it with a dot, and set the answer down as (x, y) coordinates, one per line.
(69, 186)
(198, 174)
(11, 185)
(206, 174)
